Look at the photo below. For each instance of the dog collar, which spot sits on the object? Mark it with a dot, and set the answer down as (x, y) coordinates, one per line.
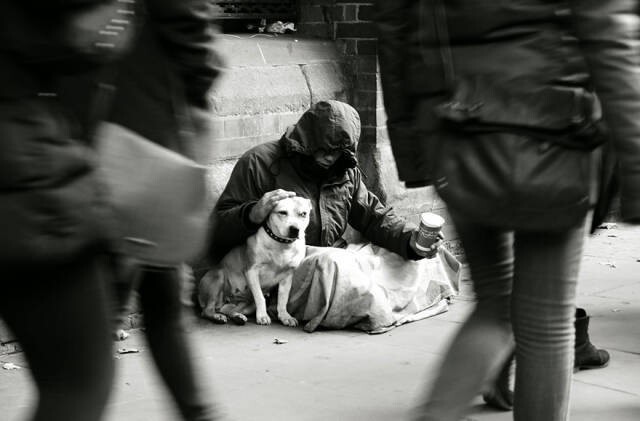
(277, 237)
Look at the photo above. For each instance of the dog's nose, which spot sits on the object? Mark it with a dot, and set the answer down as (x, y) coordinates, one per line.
(294, 232)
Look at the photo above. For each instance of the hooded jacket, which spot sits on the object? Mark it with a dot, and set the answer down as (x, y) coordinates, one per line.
(339, 196)
(551, 56)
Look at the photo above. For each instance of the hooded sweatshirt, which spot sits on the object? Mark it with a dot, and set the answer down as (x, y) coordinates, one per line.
(338, 194)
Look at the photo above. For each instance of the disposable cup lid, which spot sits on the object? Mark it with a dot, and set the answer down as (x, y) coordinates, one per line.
(431, 220)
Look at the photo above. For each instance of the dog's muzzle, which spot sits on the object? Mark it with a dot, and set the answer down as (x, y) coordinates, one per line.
(294, 232)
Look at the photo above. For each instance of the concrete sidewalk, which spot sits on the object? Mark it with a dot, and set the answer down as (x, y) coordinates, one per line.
(352, 376)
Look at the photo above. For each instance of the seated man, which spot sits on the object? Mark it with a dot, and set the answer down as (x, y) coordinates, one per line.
(316, 159)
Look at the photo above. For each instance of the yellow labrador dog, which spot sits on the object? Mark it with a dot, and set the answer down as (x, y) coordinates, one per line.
(268, 258)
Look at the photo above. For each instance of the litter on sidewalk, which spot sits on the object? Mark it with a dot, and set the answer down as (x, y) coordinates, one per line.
(11, 366)
(128, 350)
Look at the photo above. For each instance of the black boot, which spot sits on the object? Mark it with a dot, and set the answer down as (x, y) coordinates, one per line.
(500, 395)
(587, 356)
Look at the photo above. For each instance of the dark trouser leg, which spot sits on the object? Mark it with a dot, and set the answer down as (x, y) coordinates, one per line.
(60, 317)
(162, 309)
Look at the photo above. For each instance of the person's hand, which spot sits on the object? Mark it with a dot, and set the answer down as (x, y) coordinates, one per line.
(432, 251)
(265, 205)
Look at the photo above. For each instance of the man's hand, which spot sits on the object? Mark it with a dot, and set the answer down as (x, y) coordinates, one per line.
(432, 251)
(265, 205)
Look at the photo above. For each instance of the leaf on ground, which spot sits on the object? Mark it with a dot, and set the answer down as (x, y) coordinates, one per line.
(608, 225)
(11, 366)
(128, 350)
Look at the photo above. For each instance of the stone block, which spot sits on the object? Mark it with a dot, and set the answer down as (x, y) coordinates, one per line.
(316, 30)
(367, 64)
(326, 81)
(365, 99)
(367, 46)
(263, 50)
(355, 30)
(257, 90)
(288, 119)
(218, 176)
(350, 13)
(269, 125)
(368, 117)
(312, 13)
(232, 127)
(366, 12)
(366, 82)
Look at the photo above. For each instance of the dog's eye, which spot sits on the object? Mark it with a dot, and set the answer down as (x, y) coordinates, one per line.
(303, 214)
(283, 213)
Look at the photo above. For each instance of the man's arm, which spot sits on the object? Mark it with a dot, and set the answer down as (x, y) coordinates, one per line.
(379, 223)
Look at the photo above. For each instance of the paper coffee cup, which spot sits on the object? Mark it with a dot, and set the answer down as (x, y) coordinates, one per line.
(430, 226)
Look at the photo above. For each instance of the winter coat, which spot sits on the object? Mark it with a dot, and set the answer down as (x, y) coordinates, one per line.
(551, 54)
(51, 200)
(339, 198)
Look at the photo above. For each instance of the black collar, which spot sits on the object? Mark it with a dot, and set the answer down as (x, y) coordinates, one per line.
(277, 237)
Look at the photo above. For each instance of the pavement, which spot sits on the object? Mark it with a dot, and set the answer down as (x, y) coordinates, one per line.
(351, 376)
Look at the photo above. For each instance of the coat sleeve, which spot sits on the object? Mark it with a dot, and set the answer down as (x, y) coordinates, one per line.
(187, 33)
(379, 223)
(392, 25)
(230, 224)
(608, 33)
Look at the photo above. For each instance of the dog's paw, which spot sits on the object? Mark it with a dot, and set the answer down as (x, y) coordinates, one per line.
(239, 319)
(263, 319)
(289, 321)
(217, 318)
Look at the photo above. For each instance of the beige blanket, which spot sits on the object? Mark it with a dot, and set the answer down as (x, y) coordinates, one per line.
(370, 288)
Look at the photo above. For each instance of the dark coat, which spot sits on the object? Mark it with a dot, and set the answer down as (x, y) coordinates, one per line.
(338, 198)
(51, 201)
(552, 54)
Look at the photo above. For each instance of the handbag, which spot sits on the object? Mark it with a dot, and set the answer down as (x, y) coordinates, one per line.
(158, 197)
(510, 156)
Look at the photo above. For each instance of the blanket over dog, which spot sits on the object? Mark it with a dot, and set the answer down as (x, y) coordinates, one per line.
(370, 288)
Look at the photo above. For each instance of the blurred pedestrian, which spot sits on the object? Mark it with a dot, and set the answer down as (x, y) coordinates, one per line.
(494, 103)
(161, 94)
(53, 224)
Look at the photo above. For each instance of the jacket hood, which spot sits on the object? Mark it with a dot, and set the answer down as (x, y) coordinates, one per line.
(328, 125)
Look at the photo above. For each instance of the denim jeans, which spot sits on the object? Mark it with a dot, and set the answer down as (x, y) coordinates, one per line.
(525, 286)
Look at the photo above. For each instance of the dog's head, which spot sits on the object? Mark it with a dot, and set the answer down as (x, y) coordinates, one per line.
(290, 217)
